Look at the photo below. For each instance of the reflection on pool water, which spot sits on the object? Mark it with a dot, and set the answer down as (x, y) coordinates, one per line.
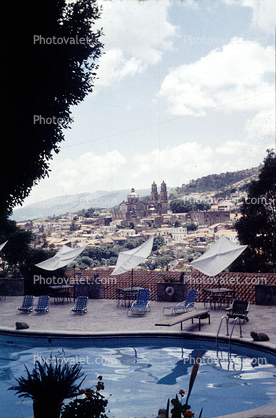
(142, 373)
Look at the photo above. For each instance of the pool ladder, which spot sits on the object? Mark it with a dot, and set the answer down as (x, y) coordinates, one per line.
(227, 328)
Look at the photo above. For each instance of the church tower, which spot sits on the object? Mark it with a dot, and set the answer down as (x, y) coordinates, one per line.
(164, 198)
(154, 193)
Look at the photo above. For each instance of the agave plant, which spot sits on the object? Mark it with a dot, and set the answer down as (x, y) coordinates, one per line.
(49, 383)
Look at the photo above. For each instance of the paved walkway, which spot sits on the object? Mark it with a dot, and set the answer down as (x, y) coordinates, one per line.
(104, 317)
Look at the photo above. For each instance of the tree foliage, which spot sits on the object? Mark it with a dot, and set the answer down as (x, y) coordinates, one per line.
(46, 70)
(88, 213)
(191, 226)
(17, 254)
(177, 223)
(17, 249)
(107, 254)
(181, 206)
(214, 182)
(256, 228)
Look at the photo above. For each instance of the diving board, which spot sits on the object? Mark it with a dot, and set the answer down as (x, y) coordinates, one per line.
(198, 314)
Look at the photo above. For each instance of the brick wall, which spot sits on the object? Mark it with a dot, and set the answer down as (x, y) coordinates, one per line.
(242, 283)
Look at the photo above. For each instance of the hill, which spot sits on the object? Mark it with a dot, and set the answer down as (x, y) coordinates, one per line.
(219, 185)
(72, 203)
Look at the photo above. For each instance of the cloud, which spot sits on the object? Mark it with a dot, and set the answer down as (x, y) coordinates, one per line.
(261, 127)
(231, 148)
(114, 66)
(231, 77)
(136, 34)
(264, 13)
(238, 153)
(75, 174)
(186, 157)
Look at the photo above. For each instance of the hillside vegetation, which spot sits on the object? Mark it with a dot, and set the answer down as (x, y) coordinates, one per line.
(219, 184)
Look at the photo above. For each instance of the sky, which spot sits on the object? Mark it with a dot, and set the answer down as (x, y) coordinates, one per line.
(184, 89)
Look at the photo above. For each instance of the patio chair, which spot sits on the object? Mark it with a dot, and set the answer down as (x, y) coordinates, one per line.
(120, 297)
(184, 306)
(81, 305)
(42, 304)
(141, 305)
(239, 309)
(27, 304)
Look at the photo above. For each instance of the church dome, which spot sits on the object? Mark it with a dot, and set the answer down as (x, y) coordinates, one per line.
(132, 194)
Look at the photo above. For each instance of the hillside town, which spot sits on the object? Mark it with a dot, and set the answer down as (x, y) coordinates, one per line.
(133, 218)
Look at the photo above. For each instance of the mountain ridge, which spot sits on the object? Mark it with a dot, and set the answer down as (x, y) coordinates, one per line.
(217, 184)
(72, 203)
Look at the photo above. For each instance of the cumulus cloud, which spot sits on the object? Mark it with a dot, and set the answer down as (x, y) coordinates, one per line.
(233, 75)
(262, 126)
(75, 174)
(264, 13)
(239, 153)
(187, 156)
(236, 155)
(115, 66)
(136, 33)
(231, 148)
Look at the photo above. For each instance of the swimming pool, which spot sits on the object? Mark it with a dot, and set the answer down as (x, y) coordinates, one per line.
(142, 373)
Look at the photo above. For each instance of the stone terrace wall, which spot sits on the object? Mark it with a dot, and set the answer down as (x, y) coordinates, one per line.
(11, 287)
(242, 283)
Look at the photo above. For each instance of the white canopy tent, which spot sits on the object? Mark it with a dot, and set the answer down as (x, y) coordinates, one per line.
(63, 257)
(218, 257)
(127, 260)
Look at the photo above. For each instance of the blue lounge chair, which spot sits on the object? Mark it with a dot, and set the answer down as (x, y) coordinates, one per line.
(81, 305)
(42, 304)
(27, 304)
(184, 306)
(141, 305)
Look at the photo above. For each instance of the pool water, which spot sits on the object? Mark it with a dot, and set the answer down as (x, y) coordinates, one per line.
(141, 374)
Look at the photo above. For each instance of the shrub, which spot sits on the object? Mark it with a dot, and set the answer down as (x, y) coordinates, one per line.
(88, 403)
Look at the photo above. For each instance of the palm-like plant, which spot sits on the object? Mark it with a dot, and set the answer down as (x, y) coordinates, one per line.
(48, 385)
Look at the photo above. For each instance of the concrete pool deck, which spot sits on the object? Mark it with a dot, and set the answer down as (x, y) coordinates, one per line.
(105, 318)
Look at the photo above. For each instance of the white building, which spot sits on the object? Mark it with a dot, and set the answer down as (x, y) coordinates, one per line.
(178, 234)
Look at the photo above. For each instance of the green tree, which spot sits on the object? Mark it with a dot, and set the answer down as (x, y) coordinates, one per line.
(74, 227)
(17, 249)
(191, 255)
(177, 223)
(30, 272)
(257, 225)
(86, 261)
(112, 261)
(164, 260)
(191, 226)
(132, 243)
(202, 206)
(89, 213)
(158, 242)
(46, 70)
(179, 206)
